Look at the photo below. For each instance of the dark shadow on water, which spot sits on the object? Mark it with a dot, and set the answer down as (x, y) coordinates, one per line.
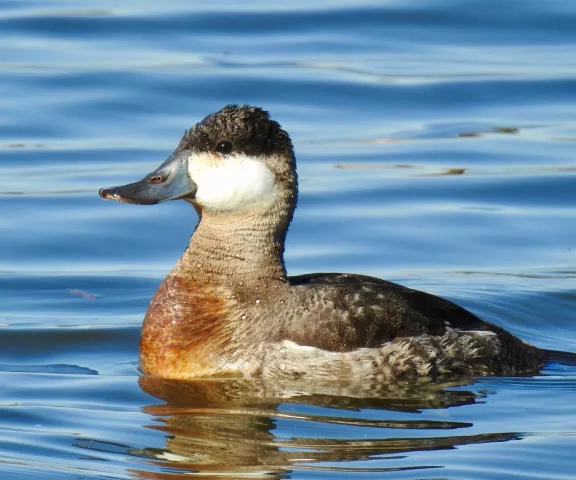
(229, 428)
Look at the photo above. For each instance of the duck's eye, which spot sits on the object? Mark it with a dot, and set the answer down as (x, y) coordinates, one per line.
(224, 147)
(155, 179)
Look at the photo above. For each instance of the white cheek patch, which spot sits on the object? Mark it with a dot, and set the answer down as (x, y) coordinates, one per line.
(232, 182)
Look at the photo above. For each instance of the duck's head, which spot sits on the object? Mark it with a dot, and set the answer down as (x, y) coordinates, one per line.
(234, 159)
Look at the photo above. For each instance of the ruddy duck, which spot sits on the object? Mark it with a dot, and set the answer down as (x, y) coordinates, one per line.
(229, 307)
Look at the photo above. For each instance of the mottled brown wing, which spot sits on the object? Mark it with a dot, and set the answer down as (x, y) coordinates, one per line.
(345, 312)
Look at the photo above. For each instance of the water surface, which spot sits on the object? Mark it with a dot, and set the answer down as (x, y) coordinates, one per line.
(435, 143)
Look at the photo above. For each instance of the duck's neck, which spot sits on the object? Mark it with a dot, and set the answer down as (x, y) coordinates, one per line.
(236, 249)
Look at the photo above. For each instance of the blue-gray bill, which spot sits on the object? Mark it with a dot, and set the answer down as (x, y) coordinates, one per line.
(170, 181)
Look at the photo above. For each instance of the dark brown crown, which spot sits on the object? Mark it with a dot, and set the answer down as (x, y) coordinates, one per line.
(249, 129)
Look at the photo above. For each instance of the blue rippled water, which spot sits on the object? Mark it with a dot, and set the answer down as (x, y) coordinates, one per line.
(436, 148)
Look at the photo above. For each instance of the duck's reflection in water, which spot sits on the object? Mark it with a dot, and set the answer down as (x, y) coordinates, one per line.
(226, 428)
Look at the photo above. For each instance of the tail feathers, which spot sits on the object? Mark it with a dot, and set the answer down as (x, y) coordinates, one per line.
(565, 358)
